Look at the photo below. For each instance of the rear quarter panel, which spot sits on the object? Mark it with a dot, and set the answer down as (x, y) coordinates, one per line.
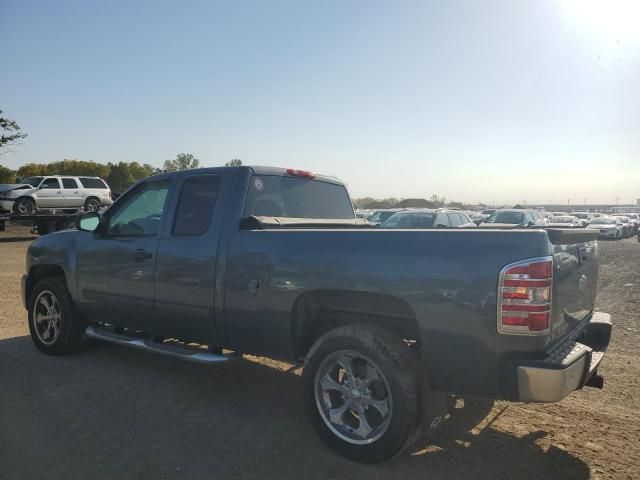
(448, 278)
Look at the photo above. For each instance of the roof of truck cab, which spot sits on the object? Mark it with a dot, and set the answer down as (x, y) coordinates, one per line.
(259, 170)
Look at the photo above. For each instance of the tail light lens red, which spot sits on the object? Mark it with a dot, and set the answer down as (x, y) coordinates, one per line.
(524, 297)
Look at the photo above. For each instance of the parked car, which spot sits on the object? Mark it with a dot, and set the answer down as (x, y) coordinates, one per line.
(425, 218)
(514, 218)
(380, 216)
(627, 226)
(630, 221)
(585, 217)
(567, 221)
(609, 227)
(54, 191)
(388, 323)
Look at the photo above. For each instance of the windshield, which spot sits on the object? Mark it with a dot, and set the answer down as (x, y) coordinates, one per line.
(581, 215)
(410, 220)
(603, 221)
(513, 218)
(33, 181)
(276, 196)
(562, 220)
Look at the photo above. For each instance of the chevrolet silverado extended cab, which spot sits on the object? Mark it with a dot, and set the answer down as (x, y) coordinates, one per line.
(208, 264)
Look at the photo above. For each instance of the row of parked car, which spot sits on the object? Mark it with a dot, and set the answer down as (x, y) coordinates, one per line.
(614, 226)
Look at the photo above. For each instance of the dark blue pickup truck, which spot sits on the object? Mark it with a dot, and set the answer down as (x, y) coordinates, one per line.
(209, 264)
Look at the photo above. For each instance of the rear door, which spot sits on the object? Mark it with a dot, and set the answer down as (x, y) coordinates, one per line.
(49, 194)
(71, 192)
(187, 256)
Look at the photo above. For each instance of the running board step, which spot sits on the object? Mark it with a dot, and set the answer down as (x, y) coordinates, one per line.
(190, 354)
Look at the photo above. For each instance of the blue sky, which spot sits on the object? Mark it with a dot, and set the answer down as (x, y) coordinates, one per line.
(477, 101)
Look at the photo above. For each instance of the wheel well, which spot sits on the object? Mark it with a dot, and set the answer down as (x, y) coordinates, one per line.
(317, 312)
(39, 272)
(91, 197)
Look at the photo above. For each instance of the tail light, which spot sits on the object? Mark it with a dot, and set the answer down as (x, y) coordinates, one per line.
(524, 297)
(301, 173)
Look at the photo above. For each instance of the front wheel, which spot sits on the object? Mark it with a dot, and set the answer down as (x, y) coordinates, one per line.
(55, 326)
(361, 392)
(25, 206)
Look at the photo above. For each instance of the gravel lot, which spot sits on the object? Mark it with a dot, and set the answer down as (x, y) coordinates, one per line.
(111, 412)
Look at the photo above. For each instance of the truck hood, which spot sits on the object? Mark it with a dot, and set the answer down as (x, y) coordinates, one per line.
(7, 187)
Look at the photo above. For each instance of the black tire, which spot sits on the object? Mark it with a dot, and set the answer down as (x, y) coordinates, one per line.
(71, 325)
(24, 206)
(398, 365)
(91, 204)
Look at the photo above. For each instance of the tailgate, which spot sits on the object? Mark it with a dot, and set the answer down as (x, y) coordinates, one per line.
(575, 279)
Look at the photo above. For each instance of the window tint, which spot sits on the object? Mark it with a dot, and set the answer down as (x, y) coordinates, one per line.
(140, 212)
(33, 181)
(93, 183)
(51, 183)
(275, 196)
(455, 219)
(196, 204)
(69, 183)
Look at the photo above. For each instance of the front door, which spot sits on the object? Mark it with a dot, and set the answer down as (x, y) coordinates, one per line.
(50, 194)
(116, 265)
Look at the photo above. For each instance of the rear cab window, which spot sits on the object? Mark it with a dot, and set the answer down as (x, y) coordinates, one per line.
(197, 201)
(281, 196)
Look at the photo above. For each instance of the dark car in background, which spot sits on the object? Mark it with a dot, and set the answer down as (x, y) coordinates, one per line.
(514, 218)
(425, 218)
(380, 216)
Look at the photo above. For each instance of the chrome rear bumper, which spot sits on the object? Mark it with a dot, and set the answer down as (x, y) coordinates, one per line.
(569, 366)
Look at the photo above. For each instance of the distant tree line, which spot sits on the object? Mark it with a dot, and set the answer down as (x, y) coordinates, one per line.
(119, 176)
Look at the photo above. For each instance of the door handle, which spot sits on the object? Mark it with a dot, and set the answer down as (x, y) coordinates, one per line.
(141, 254)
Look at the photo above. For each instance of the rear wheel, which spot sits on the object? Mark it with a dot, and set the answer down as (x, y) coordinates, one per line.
(25, 206)
(92, 204)
(361, 392)
(55, 326)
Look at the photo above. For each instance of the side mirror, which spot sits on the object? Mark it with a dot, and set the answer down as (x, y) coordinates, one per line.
(531, 223)
(440, 225)
(88, 222)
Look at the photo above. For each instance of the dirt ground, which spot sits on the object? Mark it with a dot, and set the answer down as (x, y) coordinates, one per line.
(110, 412)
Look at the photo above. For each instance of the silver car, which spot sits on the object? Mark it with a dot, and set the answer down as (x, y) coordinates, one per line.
(54, 191)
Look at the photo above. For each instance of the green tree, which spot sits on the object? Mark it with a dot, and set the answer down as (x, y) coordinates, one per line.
(32, 170)
(7, 175)
(183, 161)
(236, 162)
(10, 132)
(124, 174)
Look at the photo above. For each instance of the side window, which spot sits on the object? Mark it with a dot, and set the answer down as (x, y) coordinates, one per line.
(69, 183)
(51, 184)
(455, 219)
(442, 220)
(141, 211)
(93, 183)
(195, 205)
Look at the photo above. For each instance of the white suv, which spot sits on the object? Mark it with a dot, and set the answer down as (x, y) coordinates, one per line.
(54, 191)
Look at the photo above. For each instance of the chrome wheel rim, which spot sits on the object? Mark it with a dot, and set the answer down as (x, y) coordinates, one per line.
(353, 397)
(47, 317)
(25, 207)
